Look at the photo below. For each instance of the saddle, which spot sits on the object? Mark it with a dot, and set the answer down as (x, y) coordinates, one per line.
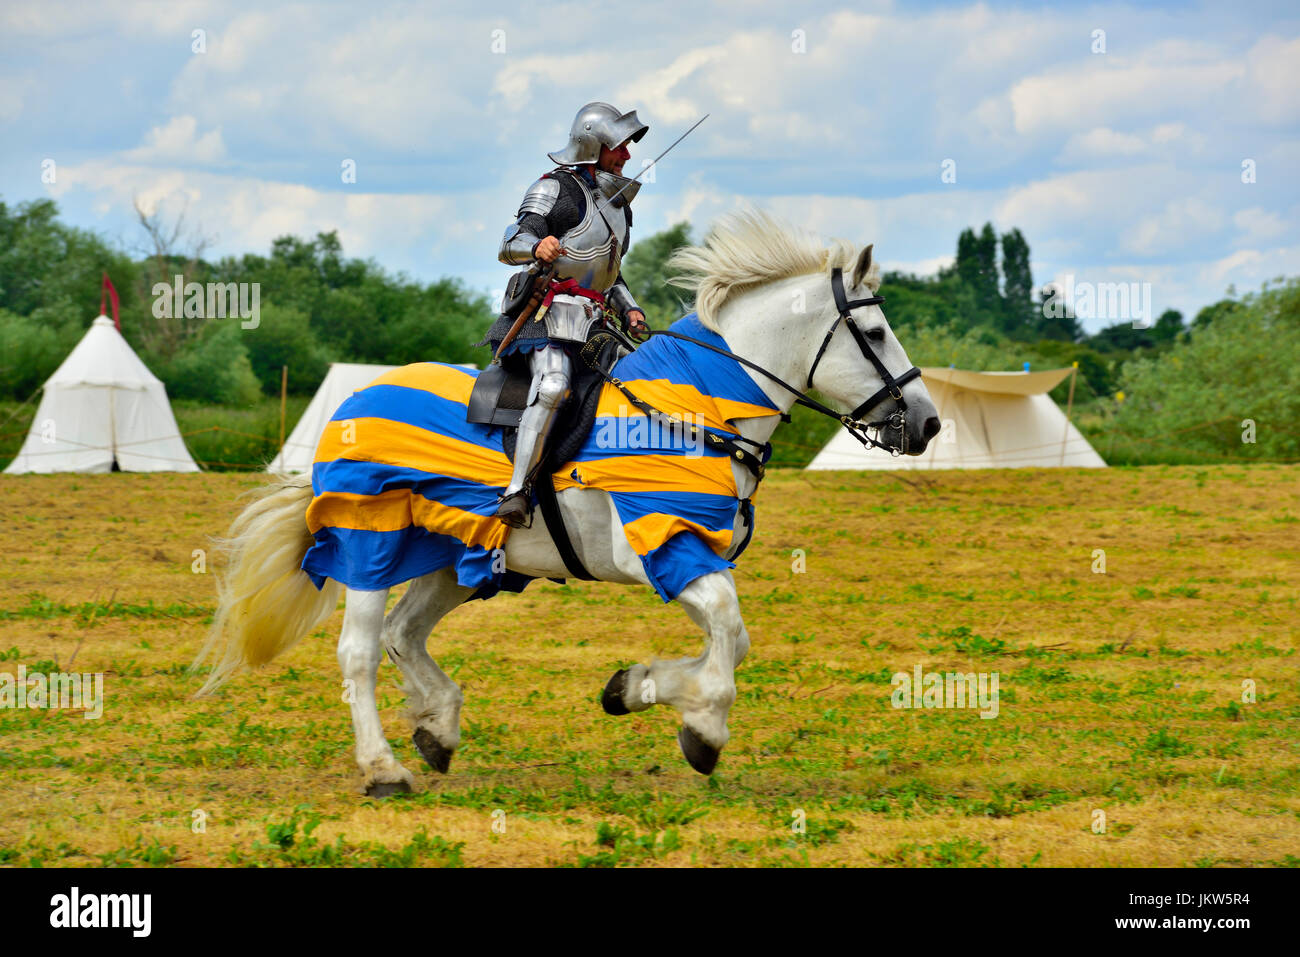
(501, 392)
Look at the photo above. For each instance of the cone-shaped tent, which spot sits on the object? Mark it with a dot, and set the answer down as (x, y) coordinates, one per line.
(103, 405)
(991, 420)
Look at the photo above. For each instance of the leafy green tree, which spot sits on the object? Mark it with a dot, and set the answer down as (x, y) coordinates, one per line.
(967, 262)
(45, 264)
(1017, 286)
(980, 349)
(912, 300)
(30, 350)
(442, 322)
(986, 261)
(1214, 312)
(284, 337)
(1055, 321)
(1122, 337)
(1230, 382)
(214, 369)
(1168, 326)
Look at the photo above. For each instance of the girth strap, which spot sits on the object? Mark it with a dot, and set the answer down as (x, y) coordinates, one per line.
(544, 486)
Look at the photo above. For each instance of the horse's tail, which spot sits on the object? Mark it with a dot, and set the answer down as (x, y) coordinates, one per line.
(265, 601)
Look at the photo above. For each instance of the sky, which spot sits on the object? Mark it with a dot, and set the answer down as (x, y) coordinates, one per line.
(1153, 143)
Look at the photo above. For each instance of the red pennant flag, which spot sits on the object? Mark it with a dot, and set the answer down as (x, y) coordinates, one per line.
(106, 287)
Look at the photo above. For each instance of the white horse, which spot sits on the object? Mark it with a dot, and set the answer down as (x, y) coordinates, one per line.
(765, 289)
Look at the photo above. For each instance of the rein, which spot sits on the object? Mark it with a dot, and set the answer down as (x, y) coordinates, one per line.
(891, 389)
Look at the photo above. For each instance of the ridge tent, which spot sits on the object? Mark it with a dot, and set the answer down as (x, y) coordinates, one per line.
(101, 406)
(990, 420)
(339, 383)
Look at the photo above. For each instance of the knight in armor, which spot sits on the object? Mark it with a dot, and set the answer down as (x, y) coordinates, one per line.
(576, 219)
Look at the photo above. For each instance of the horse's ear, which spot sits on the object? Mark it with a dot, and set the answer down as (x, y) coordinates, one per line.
(863, 265)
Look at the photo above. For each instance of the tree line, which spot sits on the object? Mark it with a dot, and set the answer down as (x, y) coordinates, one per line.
(318, 306)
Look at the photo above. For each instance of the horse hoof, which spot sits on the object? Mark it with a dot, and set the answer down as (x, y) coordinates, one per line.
(612, 698)
(438, 757)
(702, 757)
(383, 789)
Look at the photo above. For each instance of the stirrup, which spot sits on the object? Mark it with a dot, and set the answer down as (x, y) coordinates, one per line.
(516, 510)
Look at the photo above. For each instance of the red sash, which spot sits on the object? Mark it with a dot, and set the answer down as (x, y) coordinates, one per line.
(570, 287)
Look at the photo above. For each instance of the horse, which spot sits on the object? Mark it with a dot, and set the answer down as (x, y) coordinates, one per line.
(777, 300)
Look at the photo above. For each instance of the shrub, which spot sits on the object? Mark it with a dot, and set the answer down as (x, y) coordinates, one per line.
(214, 369)
(284, 337)
(1239, 365)
(30, 351)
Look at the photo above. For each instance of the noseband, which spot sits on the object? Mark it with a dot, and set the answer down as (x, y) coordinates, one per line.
(892, 388)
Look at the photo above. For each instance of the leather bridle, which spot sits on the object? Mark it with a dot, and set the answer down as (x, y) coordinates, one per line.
(891, 389)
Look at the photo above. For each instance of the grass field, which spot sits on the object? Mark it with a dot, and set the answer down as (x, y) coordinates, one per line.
(1120, 692)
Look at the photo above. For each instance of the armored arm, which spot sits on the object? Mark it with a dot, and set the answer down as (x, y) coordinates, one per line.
(530, 227)
(620, 297)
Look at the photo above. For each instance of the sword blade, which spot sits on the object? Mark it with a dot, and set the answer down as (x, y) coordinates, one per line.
(652, 163)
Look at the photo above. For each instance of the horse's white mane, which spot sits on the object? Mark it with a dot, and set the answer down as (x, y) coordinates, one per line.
(749, 247)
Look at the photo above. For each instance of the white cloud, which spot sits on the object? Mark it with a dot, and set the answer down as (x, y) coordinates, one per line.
(1102, 142)
(1247, 269)
(656, 89)
(1173, 141)
(1235, 262)
(1182, 222)
(1103, 93)
(55, 19)
(243, 214)
(921, 267)
(1273, 77)
(1258, 225)
(13, 89)
(178, 142)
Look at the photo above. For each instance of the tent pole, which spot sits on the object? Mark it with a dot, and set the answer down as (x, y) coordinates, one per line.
(284, 388)
(1069, 407)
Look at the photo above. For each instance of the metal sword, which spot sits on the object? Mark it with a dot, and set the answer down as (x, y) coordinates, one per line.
(651, 164)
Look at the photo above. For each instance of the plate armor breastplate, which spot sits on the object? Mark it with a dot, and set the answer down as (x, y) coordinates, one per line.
(593, 249)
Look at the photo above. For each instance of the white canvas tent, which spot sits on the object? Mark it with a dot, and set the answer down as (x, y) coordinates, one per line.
(990, 420)
(341, 381)
(103, 404)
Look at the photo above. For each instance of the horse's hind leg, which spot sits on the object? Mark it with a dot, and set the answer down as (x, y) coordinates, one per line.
(359, 655)
(434, 698)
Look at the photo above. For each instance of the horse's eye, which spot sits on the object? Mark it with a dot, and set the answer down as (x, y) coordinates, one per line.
(876, 335)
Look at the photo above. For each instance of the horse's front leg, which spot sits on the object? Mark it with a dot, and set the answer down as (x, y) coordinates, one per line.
(359, 655)
(702, 689)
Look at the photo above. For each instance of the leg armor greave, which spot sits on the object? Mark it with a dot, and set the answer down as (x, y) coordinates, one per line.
(552, 371)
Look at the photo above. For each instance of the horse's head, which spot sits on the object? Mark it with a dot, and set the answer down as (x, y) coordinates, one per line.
(863, 367)
(823, 328)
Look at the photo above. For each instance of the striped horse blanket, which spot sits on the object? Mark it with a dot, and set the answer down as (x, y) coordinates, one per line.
(404, 486)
